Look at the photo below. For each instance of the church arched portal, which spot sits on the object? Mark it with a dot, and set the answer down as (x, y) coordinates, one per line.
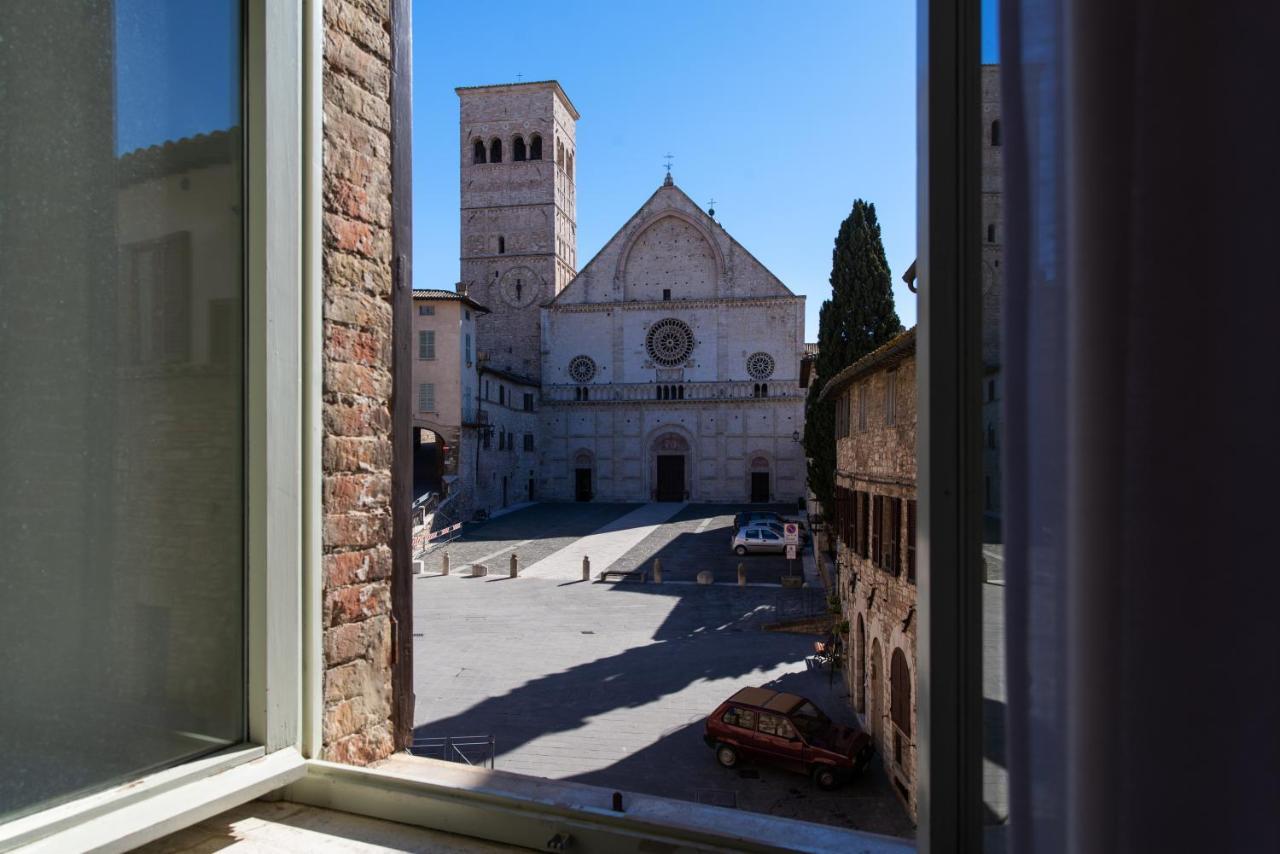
(583, 476)
(758, 478)
(670, 466)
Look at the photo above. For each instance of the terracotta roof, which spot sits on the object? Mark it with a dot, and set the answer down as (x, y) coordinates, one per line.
(176, 156)
(891, 351)
(440, 293)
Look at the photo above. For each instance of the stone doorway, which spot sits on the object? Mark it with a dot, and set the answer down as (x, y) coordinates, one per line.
(582, 484)
(670, 477)
(759, 487)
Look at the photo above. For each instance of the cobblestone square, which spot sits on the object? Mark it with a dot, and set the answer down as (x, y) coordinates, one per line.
(608, 684)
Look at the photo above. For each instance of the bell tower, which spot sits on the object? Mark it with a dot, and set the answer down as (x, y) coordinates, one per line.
(519, 220)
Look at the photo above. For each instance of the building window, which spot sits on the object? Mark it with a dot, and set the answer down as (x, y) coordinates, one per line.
(517, 149)
(502, 395)
(900, 688)
(528, 441)
(666, 294)
(157, 301)
(426, 344)
(528, 401)
(486, 442)
(535, 147)
(891, 398)
(991, 233)
(467, 347)
(477, 155)
(502, 245)
(911, 541)
(426, 310)
(495, 151)
(862, 408)
(995, 132)
(426, 397)
(569, 164)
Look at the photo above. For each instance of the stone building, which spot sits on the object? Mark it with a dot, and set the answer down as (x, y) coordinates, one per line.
(875, 529)
(668, 368)
(992, 276)
(445, 383)
(506, 456)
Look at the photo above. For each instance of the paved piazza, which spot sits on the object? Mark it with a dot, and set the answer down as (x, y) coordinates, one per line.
(608, 684)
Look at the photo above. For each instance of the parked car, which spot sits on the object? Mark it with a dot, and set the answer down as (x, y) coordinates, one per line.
(760, 724)
(751, 517)
(757, 538)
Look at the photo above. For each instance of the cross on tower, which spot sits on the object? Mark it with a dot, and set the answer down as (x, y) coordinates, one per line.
(668, 158)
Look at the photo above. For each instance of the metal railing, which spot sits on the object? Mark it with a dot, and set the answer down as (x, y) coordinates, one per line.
(476, 750)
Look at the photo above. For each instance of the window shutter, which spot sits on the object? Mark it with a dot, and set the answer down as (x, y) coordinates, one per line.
(911, 541)
(875, 534)
(426, 397)
(896, 536)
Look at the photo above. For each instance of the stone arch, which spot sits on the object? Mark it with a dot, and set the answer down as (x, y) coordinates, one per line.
(860, 664)
(651, 233)
(495, 150)
(875, 695)
(478, 154)
(900, 691)
(517, 148)
(759, 462)
(668, 440)
(568, 164)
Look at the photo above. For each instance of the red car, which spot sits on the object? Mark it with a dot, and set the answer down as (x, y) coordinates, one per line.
(786, 730)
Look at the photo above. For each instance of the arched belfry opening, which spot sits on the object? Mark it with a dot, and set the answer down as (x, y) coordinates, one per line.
(535, 147)
(495, 151)
(518, 149)
(478, 153)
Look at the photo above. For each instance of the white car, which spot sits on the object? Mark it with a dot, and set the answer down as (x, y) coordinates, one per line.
(757, 538)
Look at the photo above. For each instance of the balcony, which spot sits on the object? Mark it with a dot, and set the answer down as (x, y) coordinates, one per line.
(694, 392)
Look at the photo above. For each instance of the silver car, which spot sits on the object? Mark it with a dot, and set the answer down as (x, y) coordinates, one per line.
(757, 538)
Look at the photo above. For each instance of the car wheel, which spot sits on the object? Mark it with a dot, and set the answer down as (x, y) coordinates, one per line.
(740, 550)
(824, 777)
(726, 756)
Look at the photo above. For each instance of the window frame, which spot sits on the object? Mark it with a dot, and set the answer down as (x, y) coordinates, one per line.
(282, 348)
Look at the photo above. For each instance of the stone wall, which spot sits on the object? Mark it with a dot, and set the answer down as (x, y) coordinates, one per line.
(357, 725)
(879, 605)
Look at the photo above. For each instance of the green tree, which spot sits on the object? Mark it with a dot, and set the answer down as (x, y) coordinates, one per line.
(858, 318)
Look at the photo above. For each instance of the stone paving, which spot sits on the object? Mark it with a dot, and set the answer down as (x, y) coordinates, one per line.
(608, 684)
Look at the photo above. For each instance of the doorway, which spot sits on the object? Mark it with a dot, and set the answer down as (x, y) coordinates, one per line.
(670, 477)
(582, 484)
(759, 487)
(504, 491)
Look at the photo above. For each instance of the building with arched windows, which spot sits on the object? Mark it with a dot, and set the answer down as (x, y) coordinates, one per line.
(666, 369)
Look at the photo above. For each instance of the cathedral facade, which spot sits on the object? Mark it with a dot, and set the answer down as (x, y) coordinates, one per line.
(668, 367)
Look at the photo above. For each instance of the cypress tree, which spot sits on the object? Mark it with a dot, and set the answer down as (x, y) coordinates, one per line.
(858, 318)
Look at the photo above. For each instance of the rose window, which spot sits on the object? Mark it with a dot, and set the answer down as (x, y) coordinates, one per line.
(582, 369)
(760, 366)
(669, 342)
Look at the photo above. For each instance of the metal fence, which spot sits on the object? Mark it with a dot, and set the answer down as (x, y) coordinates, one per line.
(476, 750)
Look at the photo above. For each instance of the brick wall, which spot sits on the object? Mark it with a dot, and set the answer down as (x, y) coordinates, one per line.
(357, 382)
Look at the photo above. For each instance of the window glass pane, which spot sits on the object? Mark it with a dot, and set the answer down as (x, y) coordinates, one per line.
(121, 438)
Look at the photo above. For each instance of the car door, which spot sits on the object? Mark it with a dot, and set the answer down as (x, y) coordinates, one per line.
(771, 542)
(778, 739)
(742, 729)
(753, 541)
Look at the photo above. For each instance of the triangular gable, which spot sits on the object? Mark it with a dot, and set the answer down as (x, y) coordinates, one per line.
(603, 279)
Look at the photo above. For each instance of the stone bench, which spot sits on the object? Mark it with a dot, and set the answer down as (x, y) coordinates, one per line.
(637, 575)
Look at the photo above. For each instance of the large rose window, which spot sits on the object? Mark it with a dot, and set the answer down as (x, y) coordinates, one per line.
(669, 342)
(760, 366)
(582, 369)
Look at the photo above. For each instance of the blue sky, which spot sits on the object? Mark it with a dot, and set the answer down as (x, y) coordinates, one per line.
(783, 113)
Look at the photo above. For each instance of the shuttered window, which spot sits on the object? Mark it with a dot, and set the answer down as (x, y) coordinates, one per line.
(877, 513)
(911, 541)
(427, 397)
(426, 344)
(891, 398)
(900, 686)
(889, 516)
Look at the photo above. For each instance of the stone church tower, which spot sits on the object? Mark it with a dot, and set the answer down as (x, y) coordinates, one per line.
(519, 220)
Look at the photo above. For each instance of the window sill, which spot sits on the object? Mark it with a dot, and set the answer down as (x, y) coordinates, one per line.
(142, 810)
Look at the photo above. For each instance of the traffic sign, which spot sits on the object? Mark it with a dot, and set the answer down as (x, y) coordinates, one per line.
(791, 551)
(791, 534)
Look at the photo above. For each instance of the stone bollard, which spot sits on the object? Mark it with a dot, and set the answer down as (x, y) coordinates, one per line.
(657, 570)
(586, 568)
(705, 577)
(479, 570)
(742, 575)
(445, 570)
(515, 565)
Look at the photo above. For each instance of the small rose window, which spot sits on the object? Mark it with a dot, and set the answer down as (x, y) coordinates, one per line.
(669, 342)
(760, 366)
(582, 369)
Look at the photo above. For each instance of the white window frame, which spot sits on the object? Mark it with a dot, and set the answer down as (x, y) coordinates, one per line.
(426, 344)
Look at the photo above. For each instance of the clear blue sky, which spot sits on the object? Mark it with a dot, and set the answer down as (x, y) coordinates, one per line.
(783, 113)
